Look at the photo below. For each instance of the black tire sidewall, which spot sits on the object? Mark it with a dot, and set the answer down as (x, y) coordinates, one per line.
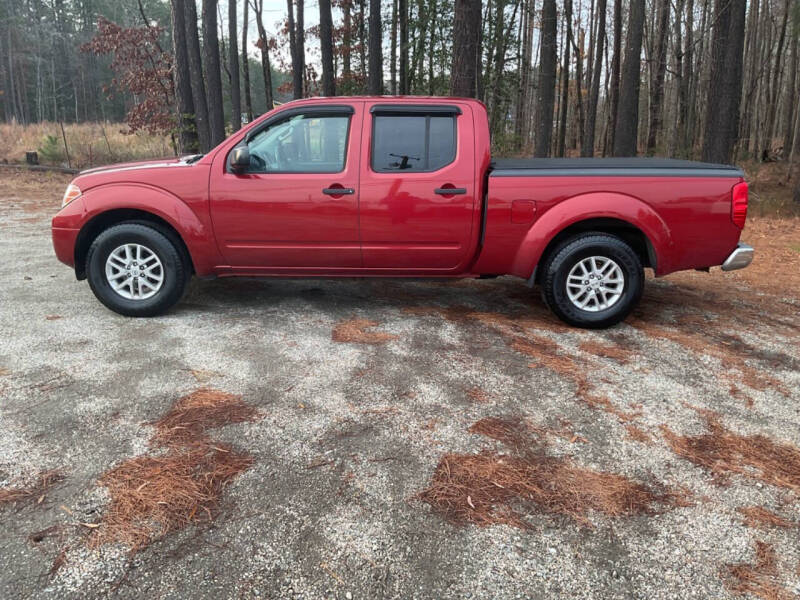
(577, 249)
(175, 271)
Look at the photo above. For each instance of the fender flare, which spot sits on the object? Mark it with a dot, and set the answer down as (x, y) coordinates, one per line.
(196, 235)
(594, 205)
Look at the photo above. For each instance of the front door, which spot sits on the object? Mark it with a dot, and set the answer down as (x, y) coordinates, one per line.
(297, 204)
(417, 187)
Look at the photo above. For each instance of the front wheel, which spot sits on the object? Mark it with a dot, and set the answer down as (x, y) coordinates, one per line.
(136, 270)
(592, 280)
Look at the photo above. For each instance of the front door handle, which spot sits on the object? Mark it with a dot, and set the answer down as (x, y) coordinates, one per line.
(338, 191)
(450, 191)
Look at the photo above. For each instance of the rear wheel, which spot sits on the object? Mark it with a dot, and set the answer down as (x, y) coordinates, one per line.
(136, 270)
(592, 280)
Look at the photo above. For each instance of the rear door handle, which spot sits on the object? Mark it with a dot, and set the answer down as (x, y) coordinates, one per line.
(338, 191)
(449, 191)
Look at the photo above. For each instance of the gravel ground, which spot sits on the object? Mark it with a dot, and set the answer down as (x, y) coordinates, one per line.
(351, 432)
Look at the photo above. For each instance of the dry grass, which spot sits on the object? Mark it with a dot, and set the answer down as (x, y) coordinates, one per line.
(153, 495)
(478, 395)
(516, 331)
(37, 194)
(614, 352)
(724, 453)
(90, 144)
(759, 517)
(33, 492)
(491, 488)
(759, 579)
(637, 434)
(715, 340)
(191, 416)
(356, 331)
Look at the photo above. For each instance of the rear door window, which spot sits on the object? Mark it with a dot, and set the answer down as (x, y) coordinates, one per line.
(413, 143)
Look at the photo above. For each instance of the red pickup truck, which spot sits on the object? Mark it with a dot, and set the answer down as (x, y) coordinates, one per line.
(396, 187)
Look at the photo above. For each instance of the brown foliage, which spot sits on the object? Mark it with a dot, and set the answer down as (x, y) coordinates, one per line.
(760, 517)
(355, 331)
(153, 495)
(491, 488)
(759, 579)
(142, 69)
(715, 341)
(478, 395)
(189, 418)
(545, 352)
(724, 452)
(637, 434)
(614, 352)
(34, 492)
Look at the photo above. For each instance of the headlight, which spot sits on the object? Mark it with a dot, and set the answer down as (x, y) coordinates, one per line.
(73, 192)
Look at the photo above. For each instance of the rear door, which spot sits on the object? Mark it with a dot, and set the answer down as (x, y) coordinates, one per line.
(417, 186)
(297, 204)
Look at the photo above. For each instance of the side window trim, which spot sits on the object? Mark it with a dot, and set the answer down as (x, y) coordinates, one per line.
(326, 110)
(385, 110)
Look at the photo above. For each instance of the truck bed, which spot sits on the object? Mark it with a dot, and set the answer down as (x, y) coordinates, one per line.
(612, 167)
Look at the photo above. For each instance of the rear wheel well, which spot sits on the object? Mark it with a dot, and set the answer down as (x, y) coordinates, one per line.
(631, 234)
(103, 221)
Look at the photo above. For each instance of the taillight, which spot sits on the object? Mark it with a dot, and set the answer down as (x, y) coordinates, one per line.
(739, 204)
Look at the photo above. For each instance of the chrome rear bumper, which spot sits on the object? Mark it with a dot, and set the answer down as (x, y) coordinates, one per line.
(739, 258)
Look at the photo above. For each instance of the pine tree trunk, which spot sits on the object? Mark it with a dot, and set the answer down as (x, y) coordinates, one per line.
(616, 61)
(790, 100)
(296, 46)
(499, 62)
(657, 81)
(263, 46)
(187, 130)
(248, 97)
(563, 105)
(722, 106)
(521, 117)
(233, 67)
(375, 51)
(466, 24)
(772, 102)
(362, 44)
(393, 66)
(547, 81)
(403, 10)
(196, 77)
(326, 47)
(625, 142)
(347, 45)
(587, 145)
(216, 115)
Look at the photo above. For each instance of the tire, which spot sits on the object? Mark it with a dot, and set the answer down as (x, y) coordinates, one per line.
(607, 299)
(163, 256)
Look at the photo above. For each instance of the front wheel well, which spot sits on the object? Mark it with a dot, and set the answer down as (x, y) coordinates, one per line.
(103, 221)
(631, 234)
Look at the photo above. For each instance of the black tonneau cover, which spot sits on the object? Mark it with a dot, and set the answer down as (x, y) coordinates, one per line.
(612, 167)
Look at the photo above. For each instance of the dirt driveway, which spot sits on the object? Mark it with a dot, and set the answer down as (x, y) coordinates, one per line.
(393, 439)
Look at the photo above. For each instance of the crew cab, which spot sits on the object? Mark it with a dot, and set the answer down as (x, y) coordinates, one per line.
(396, 187)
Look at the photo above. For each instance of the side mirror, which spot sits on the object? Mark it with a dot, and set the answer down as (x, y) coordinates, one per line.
(240, 158)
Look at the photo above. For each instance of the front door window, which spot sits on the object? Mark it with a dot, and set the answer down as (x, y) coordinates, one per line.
(301, 144)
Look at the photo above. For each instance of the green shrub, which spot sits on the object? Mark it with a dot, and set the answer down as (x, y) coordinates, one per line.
(51, 150)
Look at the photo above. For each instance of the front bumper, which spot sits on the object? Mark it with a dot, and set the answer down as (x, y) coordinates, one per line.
(739, 258)
(64, 244)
